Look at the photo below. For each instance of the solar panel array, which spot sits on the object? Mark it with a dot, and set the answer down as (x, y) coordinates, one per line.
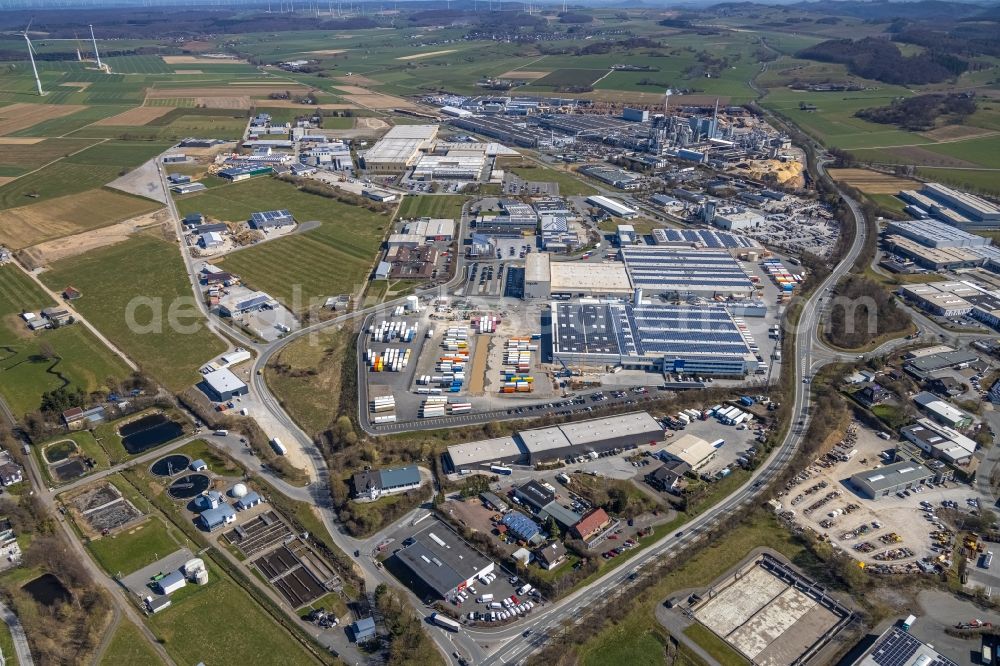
(271, 218)
(707, 237)
(522, 526)
(672, 269)
(620, 329)
(898, 648)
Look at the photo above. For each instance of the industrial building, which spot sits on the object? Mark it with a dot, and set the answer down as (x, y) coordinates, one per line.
(889, 479)
(619, 178)
(897, 647)
(233, 305)
(932, 233)
(544, 278)
(940, 441)
(399, 149)
(683, 273)
(441, 563)
(958, 209)
(431, 229)
(271, 219)
(236, 174)
(736, 218)
(941, 411)
(515, 218)
(956, 299)
(212, 519)
(542, 444)
(692, 451)
(372, 484)
(453, 165)
(695, 340)
(708, 238)
(942, 258)
(612, 207)
(222, 385)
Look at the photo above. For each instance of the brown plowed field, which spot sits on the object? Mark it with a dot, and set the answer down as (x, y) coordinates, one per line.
(136, 117)
(19, 116)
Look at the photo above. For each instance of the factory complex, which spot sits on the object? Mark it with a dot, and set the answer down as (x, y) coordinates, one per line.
(528, 447)
(958, 209)
(699, 340)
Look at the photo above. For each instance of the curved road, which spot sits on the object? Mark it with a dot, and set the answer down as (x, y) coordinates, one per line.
(505, 645)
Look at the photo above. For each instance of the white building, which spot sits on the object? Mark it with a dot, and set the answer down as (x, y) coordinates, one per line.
(612, 207)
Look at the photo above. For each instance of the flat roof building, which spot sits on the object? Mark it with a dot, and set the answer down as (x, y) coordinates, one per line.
(941, 411)
(690, 450)
(890, 479)
(612, 207)
(233, 305)
(668, 338)
(551, 443)
(576, 278)
(735, 219)
(534, 495)
(897, 647)
(537, 276)
(440, 562)
(222, 385)
(932, 233)
(271, 219)
(940, 441)
(400, 148)
(979, 212)
(686, 272)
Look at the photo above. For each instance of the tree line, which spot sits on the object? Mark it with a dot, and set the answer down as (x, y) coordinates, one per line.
(881, 60)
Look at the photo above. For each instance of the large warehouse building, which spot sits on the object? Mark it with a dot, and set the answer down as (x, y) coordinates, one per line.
(686, 272)
(400, 148)
(698, 340)
(528, 447)
(440, 563)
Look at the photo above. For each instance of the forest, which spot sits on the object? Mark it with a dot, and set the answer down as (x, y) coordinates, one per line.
(922, 112)
(881, 60)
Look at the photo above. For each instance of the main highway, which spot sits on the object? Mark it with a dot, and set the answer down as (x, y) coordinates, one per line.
(507, 645)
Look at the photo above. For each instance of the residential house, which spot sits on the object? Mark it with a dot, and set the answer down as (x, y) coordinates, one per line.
(669, 477)
(551, 555)
(871, 395)
(591, 524)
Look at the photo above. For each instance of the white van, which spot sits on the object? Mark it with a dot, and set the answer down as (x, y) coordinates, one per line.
(221, 433)
(485, 599)
(495, 605)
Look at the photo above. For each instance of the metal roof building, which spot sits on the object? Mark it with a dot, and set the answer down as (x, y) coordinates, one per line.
(217, 517)
(709, 238)
(588, 279)
(686, 272)
(376, 483)
(480, 454)
(941, 411)
(670, 338)
(612, 207)
(233, 305)
(932, 233)
(270, 219)
(897, 647)
(222, 385)
(889, 479)
(691, 450)
(400, 148)
(522, 527)
(441, 562)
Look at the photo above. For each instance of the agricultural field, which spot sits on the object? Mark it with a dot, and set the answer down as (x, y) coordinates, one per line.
(191, 630)
(146, 272)
(34, 363)
(566, 78)
(55, 180)
(438, 206)
(333, 258)
(63, 216)
(25, 154)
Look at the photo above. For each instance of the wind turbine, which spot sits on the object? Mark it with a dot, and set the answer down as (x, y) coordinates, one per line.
(96, 54)
(31, 57)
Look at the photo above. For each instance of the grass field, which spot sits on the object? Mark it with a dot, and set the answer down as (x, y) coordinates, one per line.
(432, 205)
(55, 180)
(715, 646)
(149, 274)
(617, 643)
(193, 630)
(31, 156)
(217, 463)
(78, 358)
(134, 548)
(311, 398)
(569, 184)
(129, 646)
(7, 646)
(987, 182)
(562, 78)
(332, 259)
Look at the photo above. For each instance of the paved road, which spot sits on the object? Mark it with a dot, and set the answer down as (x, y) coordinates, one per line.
(17, 633)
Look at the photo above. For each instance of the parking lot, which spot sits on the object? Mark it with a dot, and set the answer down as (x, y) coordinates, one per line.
(895, 531)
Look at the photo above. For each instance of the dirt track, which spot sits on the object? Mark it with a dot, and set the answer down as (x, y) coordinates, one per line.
(48, 252)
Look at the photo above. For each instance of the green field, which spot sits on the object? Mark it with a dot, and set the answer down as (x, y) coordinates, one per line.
(129, 646)
(31, 156)
(136, 547)
(119, 153)
(986, 182)
(217, 463)
(563, 78)
(334, 258)
(55, 180)
(569, 183)
(715, 646)
(33, 363)
(7, 646)
(195, 630)
(148, 273)
(432, 205)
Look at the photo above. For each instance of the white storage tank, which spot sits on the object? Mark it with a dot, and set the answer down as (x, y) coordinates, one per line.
(412, 304)
(200, 577)
(239, 490)
(193, 566)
